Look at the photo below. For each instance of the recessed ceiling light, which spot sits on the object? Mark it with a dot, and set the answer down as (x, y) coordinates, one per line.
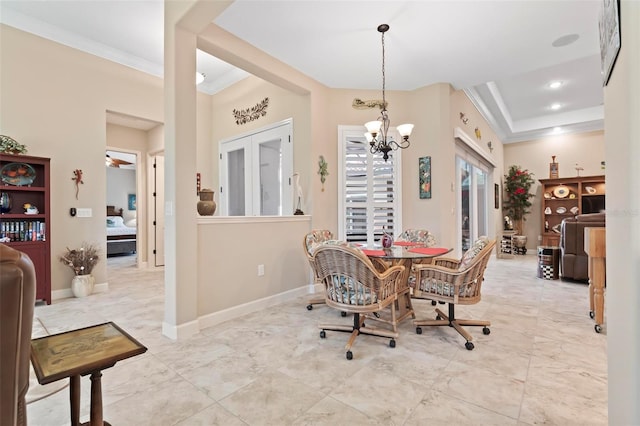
(199, 77)
(555, 106)
(557, 130)
(565, 40)
(555, 84)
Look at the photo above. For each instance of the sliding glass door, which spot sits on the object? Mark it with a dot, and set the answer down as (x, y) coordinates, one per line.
(473, 205)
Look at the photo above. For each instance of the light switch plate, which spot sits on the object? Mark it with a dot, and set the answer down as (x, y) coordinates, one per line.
(84, 212)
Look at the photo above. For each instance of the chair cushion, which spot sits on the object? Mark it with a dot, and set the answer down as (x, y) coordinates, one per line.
(473, 251)
(418, 236)
(316, 237)
(346, 290)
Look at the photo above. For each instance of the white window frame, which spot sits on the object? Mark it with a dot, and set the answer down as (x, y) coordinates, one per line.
(346, 133)
(251, 142)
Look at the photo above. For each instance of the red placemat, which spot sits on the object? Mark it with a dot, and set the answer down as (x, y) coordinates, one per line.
(406, 243)
(373, 252)
(435, 251)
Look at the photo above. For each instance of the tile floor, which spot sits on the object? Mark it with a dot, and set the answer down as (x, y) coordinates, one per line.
(542, 363)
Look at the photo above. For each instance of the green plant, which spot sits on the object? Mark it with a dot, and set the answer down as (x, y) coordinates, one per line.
(517, 183)
(9, 145)
(81, 260)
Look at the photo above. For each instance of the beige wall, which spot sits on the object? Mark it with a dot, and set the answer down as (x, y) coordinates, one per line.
(61, 114)
(622, 133)
(586, 149)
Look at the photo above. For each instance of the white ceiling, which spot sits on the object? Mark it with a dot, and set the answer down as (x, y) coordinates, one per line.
(499, 52)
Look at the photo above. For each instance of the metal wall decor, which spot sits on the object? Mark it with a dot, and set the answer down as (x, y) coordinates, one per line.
(368, 104)
(245, 116)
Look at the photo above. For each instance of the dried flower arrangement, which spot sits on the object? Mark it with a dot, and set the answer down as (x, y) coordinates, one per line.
(81, 260)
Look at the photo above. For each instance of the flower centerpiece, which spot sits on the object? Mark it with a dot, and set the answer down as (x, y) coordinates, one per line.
(81, 261)
(517, 183)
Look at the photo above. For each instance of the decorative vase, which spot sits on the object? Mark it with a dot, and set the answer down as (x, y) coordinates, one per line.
(5, 202)
(82, 285)
(206, 205)
(387, 240)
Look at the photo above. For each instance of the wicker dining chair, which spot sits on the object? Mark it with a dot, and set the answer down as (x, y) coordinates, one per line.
(456, 282)
(353, 285)
(310, 241)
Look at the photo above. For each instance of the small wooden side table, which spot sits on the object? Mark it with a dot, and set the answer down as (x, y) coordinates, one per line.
(78, 353)
(595, 246)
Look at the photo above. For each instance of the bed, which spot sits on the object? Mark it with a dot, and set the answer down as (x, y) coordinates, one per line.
(121, 239)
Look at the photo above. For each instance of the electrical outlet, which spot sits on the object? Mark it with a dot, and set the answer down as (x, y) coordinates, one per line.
(260, 270)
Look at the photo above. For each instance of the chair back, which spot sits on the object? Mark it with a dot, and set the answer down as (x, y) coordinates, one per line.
(457, 282)
(421, 236)
(17, 300)
(311, 241)
(352, 284)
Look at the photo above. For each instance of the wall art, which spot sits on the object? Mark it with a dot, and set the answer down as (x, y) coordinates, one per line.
(245, 116)
(132, 201)
(424, 175)
(609, 25)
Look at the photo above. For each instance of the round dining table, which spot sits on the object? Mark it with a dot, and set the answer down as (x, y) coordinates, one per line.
(405, 254)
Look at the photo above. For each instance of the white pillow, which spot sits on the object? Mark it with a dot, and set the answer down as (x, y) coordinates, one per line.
(131, 223)
(114, 221)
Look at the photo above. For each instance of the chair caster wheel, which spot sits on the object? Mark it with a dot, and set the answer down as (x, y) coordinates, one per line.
(598, 328)
(434, 303)
(469, 346)
(592, 314)
(309, 307)
(392, 343)
(486, 331)
(438, 317)
(343, 313)
(418, 330)
(323, 334)
(349, 355)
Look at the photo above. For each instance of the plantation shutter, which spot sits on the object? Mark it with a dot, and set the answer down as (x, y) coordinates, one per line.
(370, 190)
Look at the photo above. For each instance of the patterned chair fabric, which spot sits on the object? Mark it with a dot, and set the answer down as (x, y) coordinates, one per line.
(353, 285)
(418, 236)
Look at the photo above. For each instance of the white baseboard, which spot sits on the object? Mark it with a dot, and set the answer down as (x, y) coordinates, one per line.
(66, 293)
(182, 331)
(250, 307)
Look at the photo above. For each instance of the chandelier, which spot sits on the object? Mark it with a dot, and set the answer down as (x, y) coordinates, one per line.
(377, 130)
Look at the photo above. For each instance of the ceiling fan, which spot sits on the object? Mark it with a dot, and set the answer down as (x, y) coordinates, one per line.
(114, 162)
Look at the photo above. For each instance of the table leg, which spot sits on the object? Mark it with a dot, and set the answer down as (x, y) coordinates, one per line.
(96, 399)
(74, 399)
(598, 291)
(592, 309)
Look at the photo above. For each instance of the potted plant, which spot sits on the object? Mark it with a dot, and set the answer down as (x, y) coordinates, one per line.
(81, 261)
(517, 183)
(9, 145)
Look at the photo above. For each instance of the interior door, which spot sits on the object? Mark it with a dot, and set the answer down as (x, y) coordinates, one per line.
(158, 218)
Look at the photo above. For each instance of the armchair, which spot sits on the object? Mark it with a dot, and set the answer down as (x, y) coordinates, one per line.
(17, 300)
(353, 285)
(574, 261)
(309, 243)
(456, 282)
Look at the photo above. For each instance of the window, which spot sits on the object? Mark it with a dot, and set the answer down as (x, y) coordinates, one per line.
(255, 172)
(473, 193)
(370, 200)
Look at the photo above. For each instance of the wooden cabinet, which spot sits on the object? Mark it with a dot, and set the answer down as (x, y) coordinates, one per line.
(24, 213)
(568, 197)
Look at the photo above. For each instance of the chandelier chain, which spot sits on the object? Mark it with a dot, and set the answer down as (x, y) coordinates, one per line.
(384, 101)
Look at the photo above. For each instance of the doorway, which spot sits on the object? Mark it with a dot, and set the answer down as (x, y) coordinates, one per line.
(472, 195)
(122, 206)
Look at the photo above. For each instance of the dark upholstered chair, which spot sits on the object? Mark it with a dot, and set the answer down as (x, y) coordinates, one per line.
(17, 300)
(574, 261)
